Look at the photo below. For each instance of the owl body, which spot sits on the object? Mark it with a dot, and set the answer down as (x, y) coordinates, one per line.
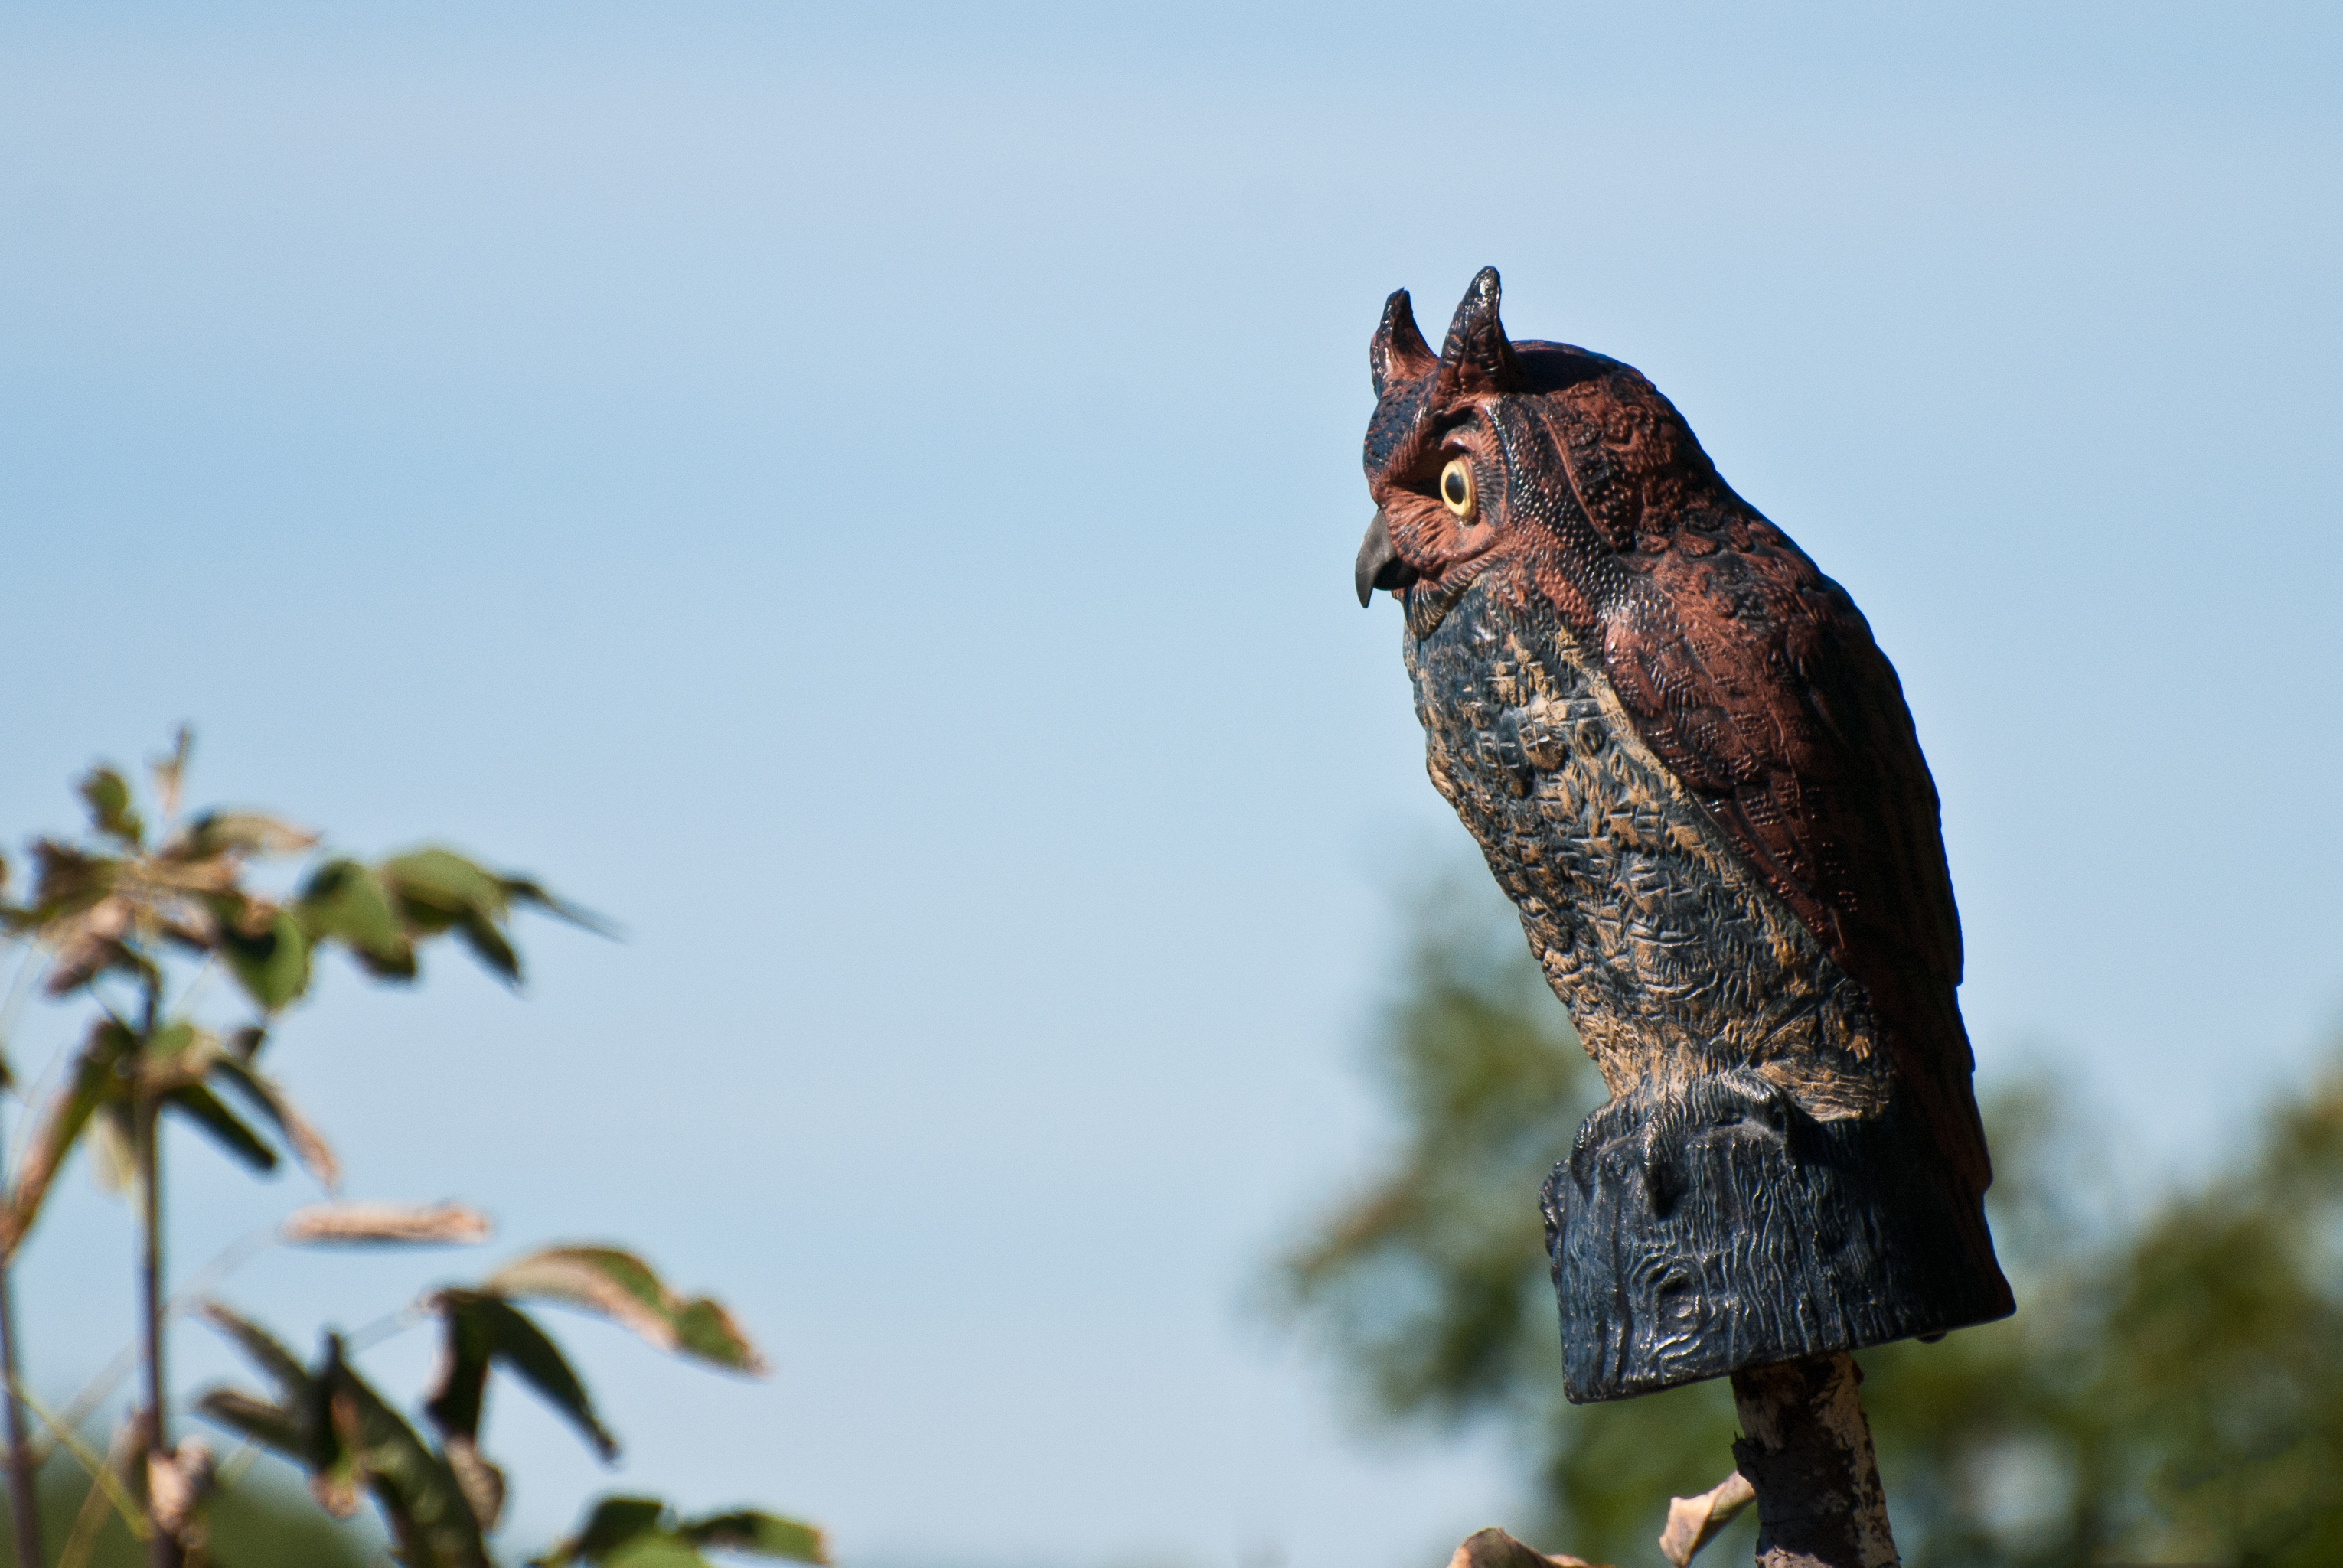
(1674, 961)
(1690, 767)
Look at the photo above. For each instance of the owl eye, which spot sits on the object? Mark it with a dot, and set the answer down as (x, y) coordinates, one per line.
(1456, 486)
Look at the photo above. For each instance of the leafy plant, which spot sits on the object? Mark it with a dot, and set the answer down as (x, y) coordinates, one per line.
(127, 920)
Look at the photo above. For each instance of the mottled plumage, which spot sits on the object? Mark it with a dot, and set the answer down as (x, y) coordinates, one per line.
(1691, 768)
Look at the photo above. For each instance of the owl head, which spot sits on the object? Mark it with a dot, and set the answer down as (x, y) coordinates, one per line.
(1555, 468)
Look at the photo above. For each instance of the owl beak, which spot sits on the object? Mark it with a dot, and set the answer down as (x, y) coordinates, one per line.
(1378, 564)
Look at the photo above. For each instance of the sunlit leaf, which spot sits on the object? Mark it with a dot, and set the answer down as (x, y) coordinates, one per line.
(308, 1145)
(482, 1330)
(625, 1532)
(615, 1525)
(642, 1532)
(240, 833)
(435, 890)
(615, 1521)
(661, 1549)
(268, 951)
(623, 1288)
(203, 1107)
(758, 1534)
(108, 800)
(96, 1081)
(439, 1224)
(346, 902)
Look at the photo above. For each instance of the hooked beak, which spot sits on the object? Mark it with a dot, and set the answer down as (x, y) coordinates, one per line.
(1379, 564)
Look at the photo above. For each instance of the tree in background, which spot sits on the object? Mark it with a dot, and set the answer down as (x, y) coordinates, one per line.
(2171, 1389)
(131, 923)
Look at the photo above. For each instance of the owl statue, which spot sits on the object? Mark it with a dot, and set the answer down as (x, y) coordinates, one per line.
(1693, 769)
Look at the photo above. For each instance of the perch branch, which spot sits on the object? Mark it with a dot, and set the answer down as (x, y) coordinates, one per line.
(1808, 1454)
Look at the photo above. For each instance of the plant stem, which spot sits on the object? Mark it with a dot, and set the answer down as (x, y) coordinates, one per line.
(24, 1508)
(163, 1546)
(1808, 1455)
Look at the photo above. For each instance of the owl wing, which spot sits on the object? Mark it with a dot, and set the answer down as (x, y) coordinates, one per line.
(1756, 680)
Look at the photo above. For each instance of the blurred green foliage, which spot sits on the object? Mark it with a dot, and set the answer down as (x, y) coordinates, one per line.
(2170, 1391)
(263, 1520)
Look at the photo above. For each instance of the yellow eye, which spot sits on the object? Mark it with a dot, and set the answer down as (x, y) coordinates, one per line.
(1456, 486)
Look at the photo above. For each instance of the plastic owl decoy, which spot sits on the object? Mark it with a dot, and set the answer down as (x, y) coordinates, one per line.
(1693, 771)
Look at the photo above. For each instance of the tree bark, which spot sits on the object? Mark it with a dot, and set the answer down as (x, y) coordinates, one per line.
(1807, 1452)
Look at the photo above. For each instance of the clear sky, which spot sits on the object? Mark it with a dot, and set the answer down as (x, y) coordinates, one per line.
(865, 497)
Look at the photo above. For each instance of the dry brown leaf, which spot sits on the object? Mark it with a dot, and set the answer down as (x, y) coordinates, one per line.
(437, 1224)
(482, 1483)
(316, 1156)
(565, 1278)
(1693, 1521)
(1493, 1548)
(177, 1482)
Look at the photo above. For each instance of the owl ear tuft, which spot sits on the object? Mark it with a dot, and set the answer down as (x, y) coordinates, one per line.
(1398, 352)
(1477, 357)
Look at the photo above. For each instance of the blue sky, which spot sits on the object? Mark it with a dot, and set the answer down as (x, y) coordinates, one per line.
(866, 499)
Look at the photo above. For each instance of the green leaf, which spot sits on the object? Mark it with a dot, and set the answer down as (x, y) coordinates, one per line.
(526, 890)
(758, 1535)
(662, 1550)
(295, 1425)
(97, 1081)
(334, 1424)
(108, 798)
(238, 833)
(640, 1533)
(622, 1288)
(308, 1145)
(173, 1040)
(271, 1426)
(294, 1386)
(482, 1330)
(435, 890)
(488, 946)
(346, 902)
(206, 1109)
(420, 1496)
(625, 1532)
(615, 1521)
(271, 962)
